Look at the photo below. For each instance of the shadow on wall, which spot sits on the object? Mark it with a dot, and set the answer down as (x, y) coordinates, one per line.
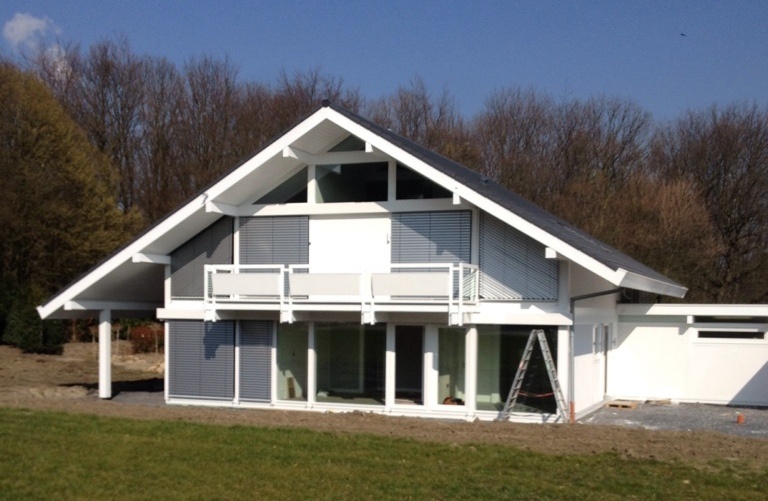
(215, 336)
(755, 392)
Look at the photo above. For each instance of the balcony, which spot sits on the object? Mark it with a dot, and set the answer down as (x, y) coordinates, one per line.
(451, 288)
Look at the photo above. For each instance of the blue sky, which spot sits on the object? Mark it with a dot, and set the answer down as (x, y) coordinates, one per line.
(667, 56)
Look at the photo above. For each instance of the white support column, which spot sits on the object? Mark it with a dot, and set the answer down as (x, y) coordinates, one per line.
(389, 372)
(430, 387)
(470, 374)
(105, 354)
(166, 351)
(311, 366)
(311, 185)
(236, 398)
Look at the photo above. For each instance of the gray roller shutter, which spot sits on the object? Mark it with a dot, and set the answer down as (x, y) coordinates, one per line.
(432, 237)
(201, 359)
(274, 240)
(513, 265)
(255, 360)
(211, 246)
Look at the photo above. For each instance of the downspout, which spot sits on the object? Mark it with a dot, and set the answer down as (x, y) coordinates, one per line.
(571, 354)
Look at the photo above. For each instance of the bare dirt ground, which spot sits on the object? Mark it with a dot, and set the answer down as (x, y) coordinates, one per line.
(68, 383)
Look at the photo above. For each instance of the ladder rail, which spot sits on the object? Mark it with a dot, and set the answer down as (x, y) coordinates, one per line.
(552, 373)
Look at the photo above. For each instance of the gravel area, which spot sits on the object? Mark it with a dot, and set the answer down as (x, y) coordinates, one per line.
(686, 417)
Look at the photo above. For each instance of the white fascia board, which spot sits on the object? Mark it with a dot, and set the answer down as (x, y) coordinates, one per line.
(476, 199)
(633, 280)
(123, 256)
(709, 310)
(195, 205)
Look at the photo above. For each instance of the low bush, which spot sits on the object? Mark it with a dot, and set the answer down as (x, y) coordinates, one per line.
(147, 338)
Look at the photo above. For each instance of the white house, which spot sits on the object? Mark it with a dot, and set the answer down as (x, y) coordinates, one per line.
(347, 268)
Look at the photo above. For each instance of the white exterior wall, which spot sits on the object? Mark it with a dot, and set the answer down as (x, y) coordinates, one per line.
(662, 357)
(590, 355)
(649, 362)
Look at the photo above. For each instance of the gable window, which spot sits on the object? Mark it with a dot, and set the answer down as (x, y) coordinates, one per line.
(350, 143)
(352, 182)
(291, 191)
(413, 186)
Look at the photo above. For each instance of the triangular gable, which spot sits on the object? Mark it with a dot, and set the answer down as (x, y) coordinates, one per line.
(118, 282)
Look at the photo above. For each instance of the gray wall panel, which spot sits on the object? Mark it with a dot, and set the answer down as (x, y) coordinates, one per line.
(211, 246)
(274, 240)
(432, 237)
(201, 359)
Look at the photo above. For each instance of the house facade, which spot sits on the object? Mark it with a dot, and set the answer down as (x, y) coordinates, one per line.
(346, 268)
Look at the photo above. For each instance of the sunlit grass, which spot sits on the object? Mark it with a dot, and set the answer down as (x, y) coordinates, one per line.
(47, 455)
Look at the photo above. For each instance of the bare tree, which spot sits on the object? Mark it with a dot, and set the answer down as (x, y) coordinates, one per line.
(432, 122)
(208, 117)
(160, 164)
(724, 153)
(515, 133)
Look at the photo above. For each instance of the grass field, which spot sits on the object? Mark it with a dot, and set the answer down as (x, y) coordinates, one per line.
(45, 455)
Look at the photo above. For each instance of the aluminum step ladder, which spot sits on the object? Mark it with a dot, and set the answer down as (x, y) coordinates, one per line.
(517, 383)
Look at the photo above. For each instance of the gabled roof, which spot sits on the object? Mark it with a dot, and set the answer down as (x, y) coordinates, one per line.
(130, 279)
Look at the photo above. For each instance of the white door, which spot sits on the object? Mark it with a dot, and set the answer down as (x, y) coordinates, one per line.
(349, 244)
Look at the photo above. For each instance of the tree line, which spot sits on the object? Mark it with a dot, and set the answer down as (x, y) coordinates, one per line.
(686, 197)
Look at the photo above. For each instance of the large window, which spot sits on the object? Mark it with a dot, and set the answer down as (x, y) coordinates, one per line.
(451, 362)
(409, 364)
(499, 351)
(350, 362)
(292, 361)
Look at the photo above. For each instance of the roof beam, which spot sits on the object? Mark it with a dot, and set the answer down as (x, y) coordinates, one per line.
(151, 258)
(333, 157)
(221, 208)
(90, 305)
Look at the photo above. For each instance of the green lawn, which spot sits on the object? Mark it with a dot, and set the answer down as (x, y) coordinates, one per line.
(45, 455)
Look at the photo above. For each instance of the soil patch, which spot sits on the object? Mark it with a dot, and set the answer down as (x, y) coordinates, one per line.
(69, 383)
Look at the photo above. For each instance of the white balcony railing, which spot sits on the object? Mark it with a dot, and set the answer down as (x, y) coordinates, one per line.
(288, 288)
